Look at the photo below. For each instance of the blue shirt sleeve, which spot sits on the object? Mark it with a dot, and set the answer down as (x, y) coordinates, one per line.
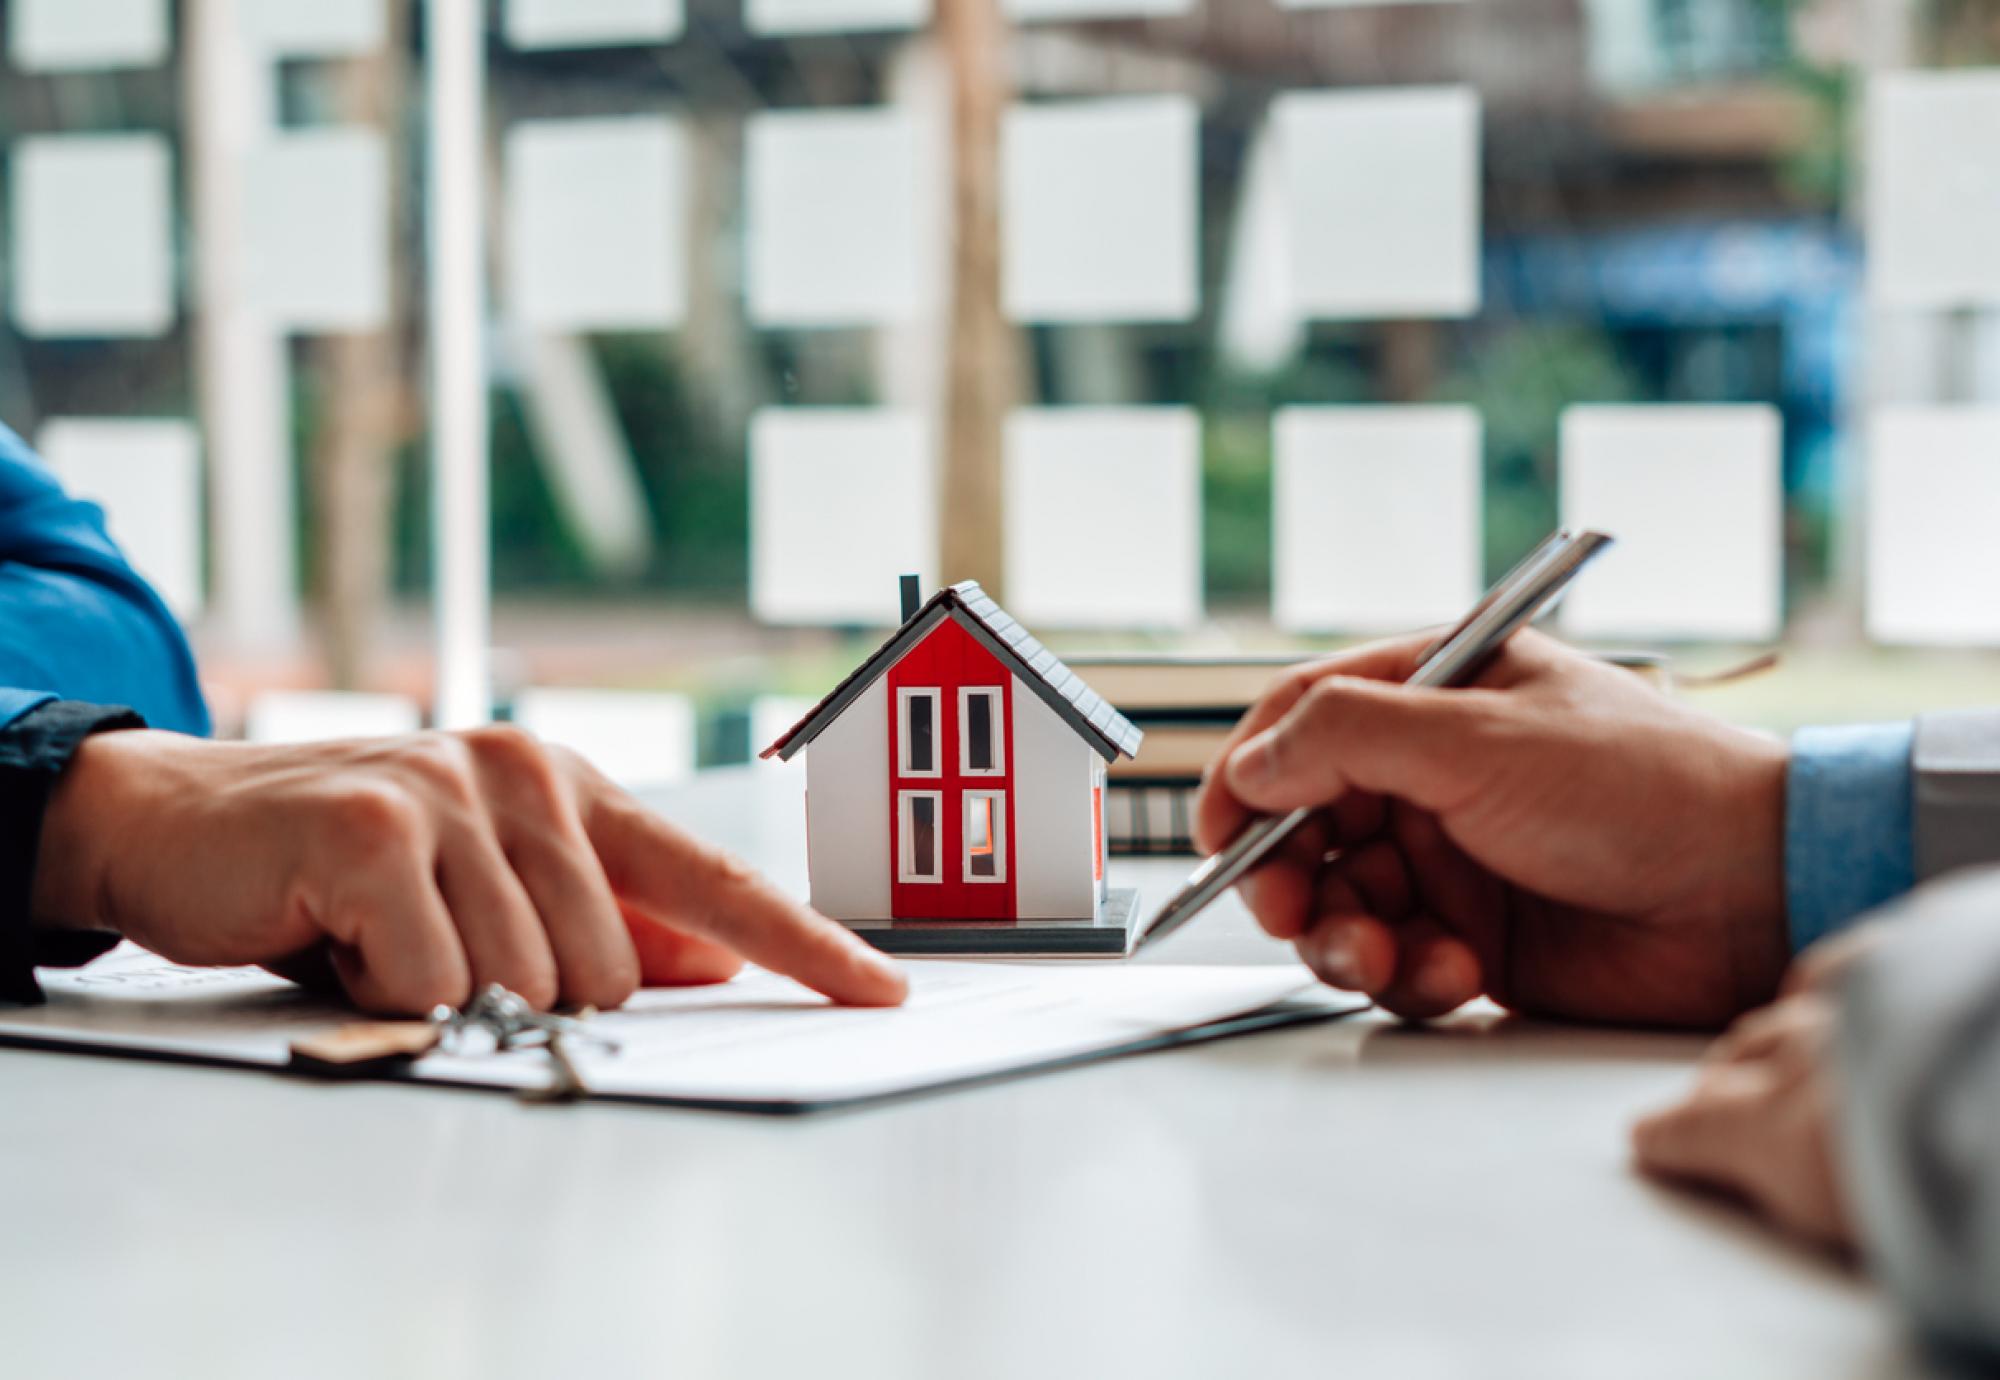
(76, 621)
(1848, 840)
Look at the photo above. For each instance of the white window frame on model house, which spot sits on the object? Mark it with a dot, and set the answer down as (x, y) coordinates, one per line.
(906, 832)
(904, 699)
(996, 805)
(995, 731)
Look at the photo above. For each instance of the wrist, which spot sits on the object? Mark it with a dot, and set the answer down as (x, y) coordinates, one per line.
(1753, 897)
(79, 825)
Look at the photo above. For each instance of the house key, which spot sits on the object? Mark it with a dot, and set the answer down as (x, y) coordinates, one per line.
(511, 1023)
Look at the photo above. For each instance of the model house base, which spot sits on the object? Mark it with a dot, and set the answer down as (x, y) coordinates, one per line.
(1111, 934)
(955, 781)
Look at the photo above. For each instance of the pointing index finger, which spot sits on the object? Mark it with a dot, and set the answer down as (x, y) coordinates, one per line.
(665, 875)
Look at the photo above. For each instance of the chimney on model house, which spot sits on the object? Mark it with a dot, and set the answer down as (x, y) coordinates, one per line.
(912, 597)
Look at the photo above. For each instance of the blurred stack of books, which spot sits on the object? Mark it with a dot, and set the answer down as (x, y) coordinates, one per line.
(1187, 707)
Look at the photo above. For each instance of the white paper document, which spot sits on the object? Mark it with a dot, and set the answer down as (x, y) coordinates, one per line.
(760, 1042)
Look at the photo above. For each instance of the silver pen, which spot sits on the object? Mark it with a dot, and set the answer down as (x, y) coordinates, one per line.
(1453, 659)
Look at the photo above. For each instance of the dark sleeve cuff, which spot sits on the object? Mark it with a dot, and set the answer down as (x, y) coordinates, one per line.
(34, 749)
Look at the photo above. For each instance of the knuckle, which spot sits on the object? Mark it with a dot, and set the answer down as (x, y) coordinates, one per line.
(724, 867)
(606, 985)
(442, 763)
(519, 759)
(1296, 684)
(572, 765)
(1319, 710)
(709, 862)
(504, 747)
(409, 981)
(424, 992)
(374, 817)
(1324, 701)
(534, 982)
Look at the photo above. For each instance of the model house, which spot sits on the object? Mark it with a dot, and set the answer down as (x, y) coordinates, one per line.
(958, 775)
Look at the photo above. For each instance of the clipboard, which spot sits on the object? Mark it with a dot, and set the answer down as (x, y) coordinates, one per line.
(759, 1044)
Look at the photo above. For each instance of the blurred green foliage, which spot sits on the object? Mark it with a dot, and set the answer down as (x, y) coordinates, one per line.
(694, 479)
(1236, 462)
(1520, 379)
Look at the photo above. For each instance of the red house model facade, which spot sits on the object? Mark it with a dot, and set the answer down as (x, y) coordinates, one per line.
(958, 776)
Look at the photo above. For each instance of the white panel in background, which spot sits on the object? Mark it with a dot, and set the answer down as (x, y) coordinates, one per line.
(1098, 210)
(86, 35)
(1063, 10)
(146, 475)
(638, 738)
(771, 717)
(1933, 512)
(1260, 327)
(836, 218)
(93, 249)
(316, 229)
(1693, 495)
(313, 28)
(1382, 197)
(841, 505)
(1376, 517)
(1934, 188)
(596, 223)
(317, 716)
(591, 23)
(1104, 517)
(833, 16)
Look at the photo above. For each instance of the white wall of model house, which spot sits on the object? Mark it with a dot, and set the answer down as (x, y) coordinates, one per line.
(1052, 776)
(847, 811)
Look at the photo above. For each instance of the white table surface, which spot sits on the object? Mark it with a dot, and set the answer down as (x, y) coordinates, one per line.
(1349, 1199)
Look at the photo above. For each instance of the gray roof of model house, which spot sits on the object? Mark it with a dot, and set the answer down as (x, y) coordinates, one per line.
(1083, 709)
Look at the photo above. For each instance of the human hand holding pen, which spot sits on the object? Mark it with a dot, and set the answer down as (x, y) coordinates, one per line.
(1558, 836)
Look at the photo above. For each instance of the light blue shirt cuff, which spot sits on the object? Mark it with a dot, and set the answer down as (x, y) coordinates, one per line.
(1848, 845)
(14, 703)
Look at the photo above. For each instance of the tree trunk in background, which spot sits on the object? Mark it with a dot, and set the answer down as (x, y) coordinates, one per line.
(352, 459)
(366, 407)
(1409, 360)
(982, 376)
(715, 348)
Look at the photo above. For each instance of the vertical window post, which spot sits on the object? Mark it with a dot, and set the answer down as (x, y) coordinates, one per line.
(455, 48)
